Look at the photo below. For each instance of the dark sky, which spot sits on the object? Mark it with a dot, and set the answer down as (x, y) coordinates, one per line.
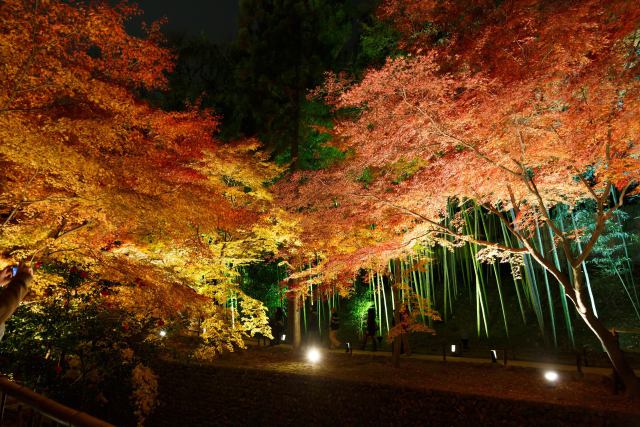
(216, 19)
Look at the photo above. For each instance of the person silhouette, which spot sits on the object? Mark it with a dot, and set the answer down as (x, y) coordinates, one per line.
(371, 329)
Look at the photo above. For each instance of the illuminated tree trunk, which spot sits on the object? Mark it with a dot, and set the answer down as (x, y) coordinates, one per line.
(294, 322)
(576, 293)
(575, 289)
(606, 337)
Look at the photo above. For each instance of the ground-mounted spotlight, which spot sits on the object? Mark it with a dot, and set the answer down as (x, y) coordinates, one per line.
(313, 355)
(163, 333)
(551, 377)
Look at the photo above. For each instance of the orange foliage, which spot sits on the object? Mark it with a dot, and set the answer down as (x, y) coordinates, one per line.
(532, 87)
(92, 176)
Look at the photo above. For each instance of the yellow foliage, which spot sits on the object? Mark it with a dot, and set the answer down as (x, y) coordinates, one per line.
(219, 336)
(145, 391)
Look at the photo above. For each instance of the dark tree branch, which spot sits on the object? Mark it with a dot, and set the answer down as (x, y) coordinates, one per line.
(601, 220)
(442, 229)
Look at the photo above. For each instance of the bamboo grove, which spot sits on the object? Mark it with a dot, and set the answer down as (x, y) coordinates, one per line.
(442, 275)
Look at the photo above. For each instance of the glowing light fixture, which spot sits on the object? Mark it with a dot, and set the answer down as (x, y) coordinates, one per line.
(313, 355)
(163, 333)
(551, 376)
(283, 337)
(453, 348)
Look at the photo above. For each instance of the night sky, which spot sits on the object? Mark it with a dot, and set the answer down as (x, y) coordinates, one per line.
(215, 19)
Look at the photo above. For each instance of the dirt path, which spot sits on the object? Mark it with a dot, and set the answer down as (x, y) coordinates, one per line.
(273, 386)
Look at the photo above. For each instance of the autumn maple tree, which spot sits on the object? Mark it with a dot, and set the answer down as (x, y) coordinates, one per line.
(519, 106)
(96, 179)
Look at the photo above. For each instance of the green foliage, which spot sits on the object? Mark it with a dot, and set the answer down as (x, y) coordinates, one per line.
(358, 305)
(366, 177)
(258, 84)
(379, 41)
(403, 169)
(262, 282)
(284, 48)
(74, 348)
(608, 256)
(431, 31)
(315, 153)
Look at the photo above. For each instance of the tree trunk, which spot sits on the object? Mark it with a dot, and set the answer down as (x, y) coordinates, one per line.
(294, 321)
(606, 337)
(297, 99)
(611, 346)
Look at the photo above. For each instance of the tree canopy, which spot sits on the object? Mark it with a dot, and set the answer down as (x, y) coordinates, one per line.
(520, 108)
(468, 120)
(94, 177)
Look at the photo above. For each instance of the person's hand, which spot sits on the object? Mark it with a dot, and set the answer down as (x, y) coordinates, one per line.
(25, 273)
(5, 275)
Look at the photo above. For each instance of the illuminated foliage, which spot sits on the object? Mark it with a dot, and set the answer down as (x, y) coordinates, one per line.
(77, 347)
(95, 178)
(506, 104)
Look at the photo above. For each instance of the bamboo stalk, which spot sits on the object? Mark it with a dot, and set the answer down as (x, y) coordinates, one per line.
(532, 286)
(386, 310)
(417, 281)
(549, 296)
(563, 296)
(584, 268)
(379, 292)
(626, 252)
(496, 274)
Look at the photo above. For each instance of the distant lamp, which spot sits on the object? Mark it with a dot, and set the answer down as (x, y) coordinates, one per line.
(551, 377)
(494, 356)
(283, 337)
(313, 355)
(453, 348)
(163, 333)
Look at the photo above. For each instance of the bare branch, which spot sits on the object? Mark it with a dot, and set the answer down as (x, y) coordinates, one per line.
(441, 229)
(60, 235)
(586, 184)
(15, 209)
(512, 197)
(545, 212)
(522, 148)
(601, 219)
